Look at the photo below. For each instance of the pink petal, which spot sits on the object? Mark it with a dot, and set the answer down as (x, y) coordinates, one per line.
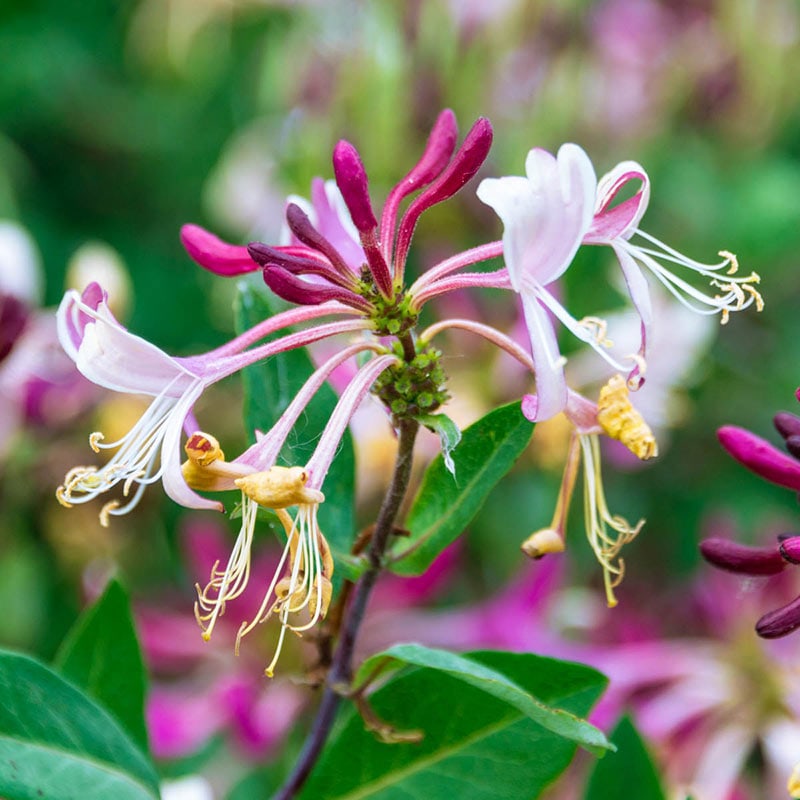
(759, 456)
(621, 220)
(213, 254)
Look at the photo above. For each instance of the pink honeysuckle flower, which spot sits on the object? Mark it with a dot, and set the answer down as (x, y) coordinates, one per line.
(765, 460)
(547, 215)
(110, 356)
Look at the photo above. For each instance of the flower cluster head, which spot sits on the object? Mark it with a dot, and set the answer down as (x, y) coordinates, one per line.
(761, 457)
(343, 265)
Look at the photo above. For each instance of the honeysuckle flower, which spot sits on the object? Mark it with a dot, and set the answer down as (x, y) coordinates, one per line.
(613, 416)
(301, 583)
(547, 215)
(765, 460)
(112, 357)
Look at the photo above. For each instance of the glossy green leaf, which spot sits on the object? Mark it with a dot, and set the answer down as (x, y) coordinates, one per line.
(269, 387)
(449, 436)
(101, 655)
(476, 746)
(631, 765)
(444, 506)
(57, 743)
(492, 682)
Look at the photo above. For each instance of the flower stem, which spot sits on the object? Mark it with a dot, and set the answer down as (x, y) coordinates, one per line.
(341, 672)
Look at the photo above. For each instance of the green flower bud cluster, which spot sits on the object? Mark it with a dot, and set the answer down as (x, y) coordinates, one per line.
(391, 316)
(412, 388)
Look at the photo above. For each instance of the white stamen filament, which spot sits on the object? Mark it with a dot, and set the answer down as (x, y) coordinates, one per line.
(739, 292)
(133, 463)
(231, 582)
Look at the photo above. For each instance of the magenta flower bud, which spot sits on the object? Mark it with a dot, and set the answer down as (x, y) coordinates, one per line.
(351, 178)
(305, 293)
(215, 255)
(790, 548)
(302, 227)
(13, 317)
(265, 255)
(440, 146)
(760, 456)
(740, 558)
(787, 424)
(780, 622)
(466, 162)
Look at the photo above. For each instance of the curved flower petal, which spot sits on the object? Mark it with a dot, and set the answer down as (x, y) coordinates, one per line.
(109, 355)
(545, 215)
(759, 456)
(621, 220)
(213, 254)
(551, 385)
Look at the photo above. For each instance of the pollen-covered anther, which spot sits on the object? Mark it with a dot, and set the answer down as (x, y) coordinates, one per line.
(542, 542)
(621, 421)
(106, 511)
(94, 441)
(730, 257)
(280, 487)
(203, 449)
(756, 295)
(599, 328)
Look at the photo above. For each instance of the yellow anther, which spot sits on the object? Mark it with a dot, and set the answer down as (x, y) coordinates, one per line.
(724, 317)
(599, 327)
(94, 441)
(203, 449)
(621, 421)
(279, 487)
(793, 785)
(542, 542)
(61, 496)
(728, 256)
(759, 300)
(105, 512)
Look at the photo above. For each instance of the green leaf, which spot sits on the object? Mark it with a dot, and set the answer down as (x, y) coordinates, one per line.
(101, 655)
(443, 507)
(494, 683)
(449, 436)
(476, 746)
(57, 743)
(269, 387)
(632, 761)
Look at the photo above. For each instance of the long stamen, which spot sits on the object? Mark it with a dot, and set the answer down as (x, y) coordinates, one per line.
(738, 292)
(605, 544)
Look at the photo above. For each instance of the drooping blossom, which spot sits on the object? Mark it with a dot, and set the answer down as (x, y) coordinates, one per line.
(761, 457)
(560, 205)
(112, 357)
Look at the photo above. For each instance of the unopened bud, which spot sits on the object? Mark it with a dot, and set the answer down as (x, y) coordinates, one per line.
(742, 559)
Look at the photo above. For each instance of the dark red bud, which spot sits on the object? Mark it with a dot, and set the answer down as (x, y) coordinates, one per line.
(787, 424)
(742, 559)
(305, 293)
(790, 548)
(780, 622)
